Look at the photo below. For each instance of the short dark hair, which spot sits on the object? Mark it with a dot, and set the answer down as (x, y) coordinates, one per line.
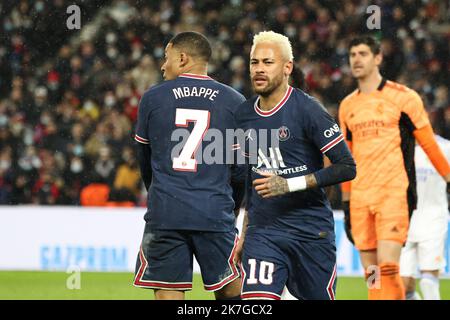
(194, 43)
(370, 41)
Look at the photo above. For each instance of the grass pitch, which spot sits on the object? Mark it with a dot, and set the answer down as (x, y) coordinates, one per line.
(23, 285)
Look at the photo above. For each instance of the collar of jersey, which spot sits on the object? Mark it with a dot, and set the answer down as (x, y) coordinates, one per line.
(195, 76)
(379, 88)
(279, 105)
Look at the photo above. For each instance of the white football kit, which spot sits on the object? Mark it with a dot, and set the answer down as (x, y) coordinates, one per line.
(424, 249)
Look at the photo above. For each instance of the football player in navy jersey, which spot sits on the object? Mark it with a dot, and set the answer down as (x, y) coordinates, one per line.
(289, 229)
(190, 197)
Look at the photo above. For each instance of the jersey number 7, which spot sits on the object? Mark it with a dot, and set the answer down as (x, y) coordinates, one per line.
(186, 160)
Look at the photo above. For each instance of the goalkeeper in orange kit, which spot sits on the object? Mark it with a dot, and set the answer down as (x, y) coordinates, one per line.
(380, 122)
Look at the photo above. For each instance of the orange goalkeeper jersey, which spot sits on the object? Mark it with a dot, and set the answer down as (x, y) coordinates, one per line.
(379, 130)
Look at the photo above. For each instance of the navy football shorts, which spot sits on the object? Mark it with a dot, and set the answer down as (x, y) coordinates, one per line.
(270, 262)
(165, 259)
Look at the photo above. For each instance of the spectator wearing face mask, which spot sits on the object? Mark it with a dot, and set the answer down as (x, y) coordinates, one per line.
(97, 140)
(75, 143)
(75, 175)
(105, 165)
(29, 162)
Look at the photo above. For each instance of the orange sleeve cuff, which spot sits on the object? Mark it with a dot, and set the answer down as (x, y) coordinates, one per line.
(425, 137)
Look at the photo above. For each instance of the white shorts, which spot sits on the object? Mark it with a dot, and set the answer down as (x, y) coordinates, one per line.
(425, 255)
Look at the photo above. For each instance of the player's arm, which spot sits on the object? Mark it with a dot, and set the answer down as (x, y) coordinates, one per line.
(248, 192)
(346, 194)
(346, 185)
(144, 153)
(239, 169)
(143, 149)
(240, 245)
(418, 120)
(342, 168)
(238, 176)
(426, 139)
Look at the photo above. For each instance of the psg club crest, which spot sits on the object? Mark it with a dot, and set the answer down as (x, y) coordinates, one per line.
(283, 133)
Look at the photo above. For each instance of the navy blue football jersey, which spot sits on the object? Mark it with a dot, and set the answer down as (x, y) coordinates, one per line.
(290, 140)
(184, 121)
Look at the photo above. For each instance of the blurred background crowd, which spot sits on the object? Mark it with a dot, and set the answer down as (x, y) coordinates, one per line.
(69, 98)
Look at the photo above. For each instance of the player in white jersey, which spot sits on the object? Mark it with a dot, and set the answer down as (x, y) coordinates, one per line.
(424, 249)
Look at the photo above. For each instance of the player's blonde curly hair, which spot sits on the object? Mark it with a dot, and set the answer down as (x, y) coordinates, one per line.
(281, 40)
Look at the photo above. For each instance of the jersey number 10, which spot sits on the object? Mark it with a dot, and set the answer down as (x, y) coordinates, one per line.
(186, 160)
(265, 272)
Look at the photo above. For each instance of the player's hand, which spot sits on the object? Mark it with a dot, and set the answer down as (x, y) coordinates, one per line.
(347, 225)
(270, 186)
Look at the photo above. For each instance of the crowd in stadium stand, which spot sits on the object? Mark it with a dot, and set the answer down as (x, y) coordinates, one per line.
(68, 108)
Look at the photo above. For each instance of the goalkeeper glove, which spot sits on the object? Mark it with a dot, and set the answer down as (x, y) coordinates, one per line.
(347, 225)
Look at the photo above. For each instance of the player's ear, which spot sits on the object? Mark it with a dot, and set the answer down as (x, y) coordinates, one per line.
(184, 59)
(378, 59)
(288, 67)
